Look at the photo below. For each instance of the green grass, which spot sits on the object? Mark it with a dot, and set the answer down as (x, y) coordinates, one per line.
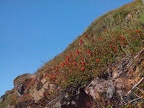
(10, 99)
(108, 39)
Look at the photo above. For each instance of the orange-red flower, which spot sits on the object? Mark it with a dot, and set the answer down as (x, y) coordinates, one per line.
(67, 63)
(115, 49)
(83, 63)
(77, 51)
(97, 60)
(67, 58)
(82, 59)
(138, 31)
(110, 45)
(52, 77)
(75, 64)
(81, 42)
(122, 38)
(71, 55)
(83, 69)
(88, 51)
(85, 35)
(57, 68)
(62, 64)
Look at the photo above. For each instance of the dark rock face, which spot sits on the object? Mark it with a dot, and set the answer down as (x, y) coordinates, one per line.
(2, 98)
(81, 100)
(39, 86)
(21, 88)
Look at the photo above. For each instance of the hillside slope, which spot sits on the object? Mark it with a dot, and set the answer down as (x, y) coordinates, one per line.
(102, 68)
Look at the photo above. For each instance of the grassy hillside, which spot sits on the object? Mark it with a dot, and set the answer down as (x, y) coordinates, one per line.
(109, 39)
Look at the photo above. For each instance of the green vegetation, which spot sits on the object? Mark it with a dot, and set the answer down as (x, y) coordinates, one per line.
(108, 39)
(9, 99)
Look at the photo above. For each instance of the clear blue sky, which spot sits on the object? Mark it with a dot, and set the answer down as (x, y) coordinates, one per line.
(32, 31)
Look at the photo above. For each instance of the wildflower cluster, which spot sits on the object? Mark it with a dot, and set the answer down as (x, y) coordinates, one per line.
(96, 49)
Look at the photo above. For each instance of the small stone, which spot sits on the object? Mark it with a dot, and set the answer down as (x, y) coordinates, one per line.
(43, 80)
(45, 86)
(73, 102)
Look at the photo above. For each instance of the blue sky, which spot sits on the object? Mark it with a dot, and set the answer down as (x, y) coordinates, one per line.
(35, 31)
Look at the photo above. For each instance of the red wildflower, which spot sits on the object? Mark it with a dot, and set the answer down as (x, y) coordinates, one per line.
(71, 55)
(67, 58)
(52, 77)
(67, 63)
(77, 51)
(138, 31)
(81, 41)
(82, 59)
(83, 63)
(97, 60)
(83, 68)
(88, 51)
(62, 64)
(57, 67)
(115, 49)
(75, 64)
(85, 35)
(110, 45)
(122, 38)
